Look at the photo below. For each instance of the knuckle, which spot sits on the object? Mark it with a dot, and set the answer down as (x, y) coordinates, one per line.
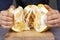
(4, 13)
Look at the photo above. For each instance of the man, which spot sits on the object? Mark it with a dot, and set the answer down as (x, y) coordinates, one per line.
(6, 21)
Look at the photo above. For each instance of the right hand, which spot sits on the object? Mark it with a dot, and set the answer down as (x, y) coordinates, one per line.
(53, 17)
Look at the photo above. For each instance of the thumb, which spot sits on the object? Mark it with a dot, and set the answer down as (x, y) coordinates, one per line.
(48, 7)
(12, 6)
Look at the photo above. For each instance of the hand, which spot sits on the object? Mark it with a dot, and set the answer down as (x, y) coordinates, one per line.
(53, 17)
(6, 19)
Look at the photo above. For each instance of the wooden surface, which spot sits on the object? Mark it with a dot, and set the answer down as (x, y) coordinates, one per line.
(29, 35)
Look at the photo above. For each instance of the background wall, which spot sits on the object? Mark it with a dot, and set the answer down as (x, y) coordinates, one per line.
(53, 4)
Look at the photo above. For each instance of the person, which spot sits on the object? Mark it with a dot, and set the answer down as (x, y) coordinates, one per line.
(6, 18)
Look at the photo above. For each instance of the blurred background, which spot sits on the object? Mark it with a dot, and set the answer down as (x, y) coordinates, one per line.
(52, 3)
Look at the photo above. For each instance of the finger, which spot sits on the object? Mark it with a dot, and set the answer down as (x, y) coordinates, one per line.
(10, 15)
(6, 23)
(4, 13)
(56, 21)
(52, 17)
(12, 6)
(6, 26)
(48, 7)
(49, 13)
(4, 18)
(55, 25)
(52, 12)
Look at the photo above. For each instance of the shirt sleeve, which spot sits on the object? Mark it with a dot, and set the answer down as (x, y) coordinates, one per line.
(5, 4)
(3, 31)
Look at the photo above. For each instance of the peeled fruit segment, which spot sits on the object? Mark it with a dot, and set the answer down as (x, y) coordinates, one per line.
(20, 27)
(30, 12)
(39, 23)
(19, 23)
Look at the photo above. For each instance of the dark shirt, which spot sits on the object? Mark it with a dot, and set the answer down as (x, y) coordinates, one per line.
(3, 31)
(24, 3)
(4, 4)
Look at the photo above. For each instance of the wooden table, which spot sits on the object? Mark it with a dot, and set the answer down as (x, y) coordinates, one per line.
(29, 35)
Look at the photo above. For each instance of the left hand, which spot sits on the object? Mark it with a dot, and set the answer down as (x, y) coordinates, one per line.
(53, 17)
(6, 19)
